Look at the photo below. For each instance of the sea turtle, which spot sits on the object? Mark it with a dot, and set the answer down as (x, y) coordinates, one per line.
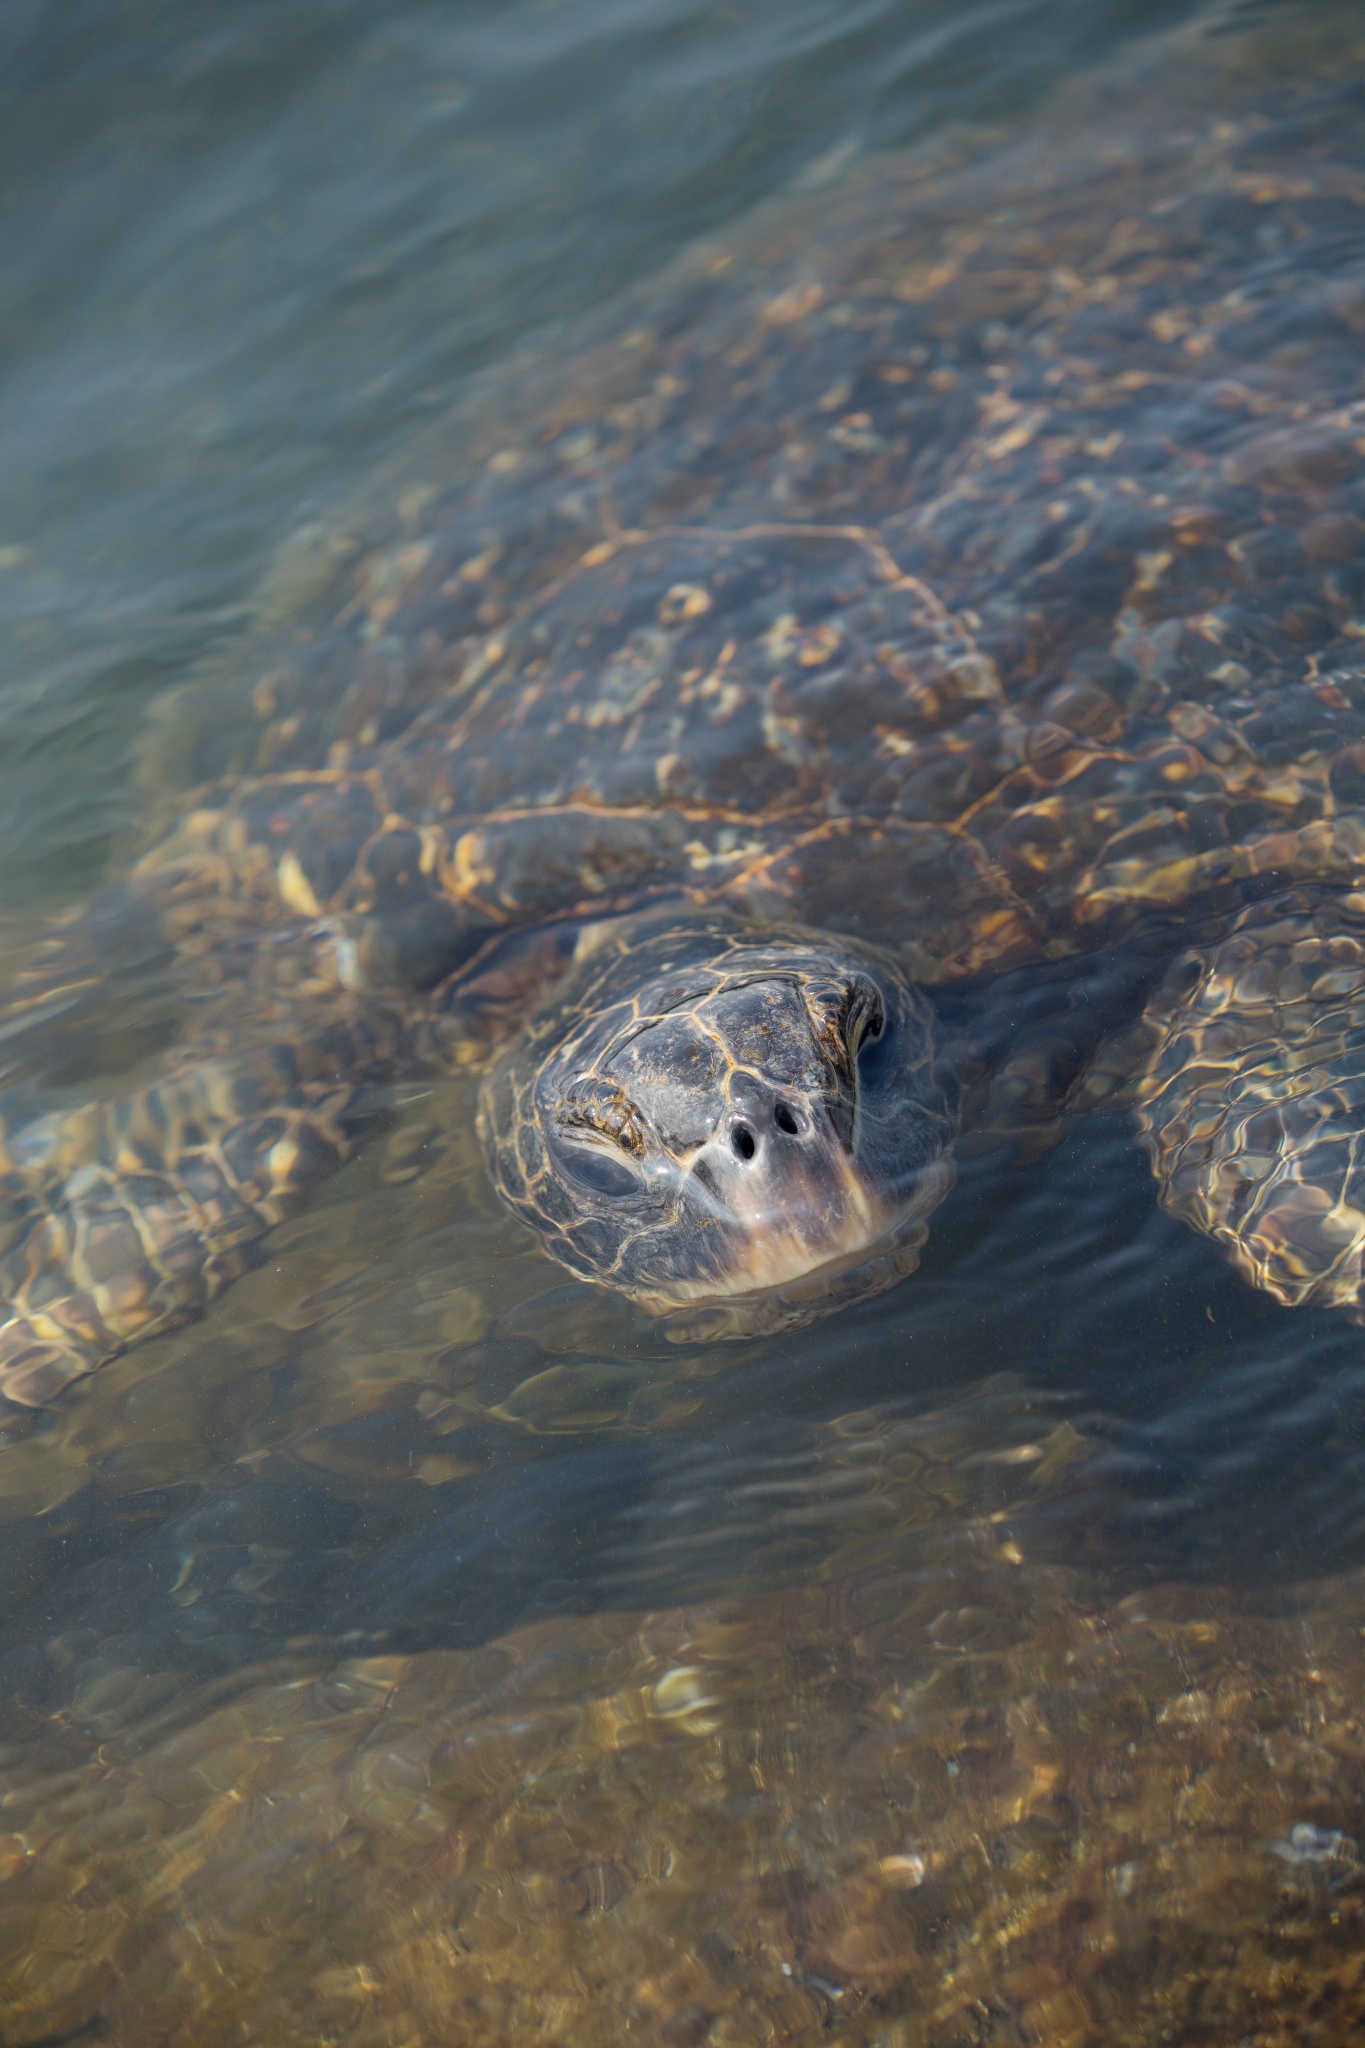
(959, 570)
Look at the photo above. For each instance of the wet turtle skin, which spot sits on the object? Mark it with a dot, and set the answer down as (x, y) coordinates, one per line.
(965, 564)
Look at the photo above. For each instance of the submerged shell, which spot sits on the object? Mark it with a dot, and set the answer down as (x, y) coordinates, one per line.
(967, 557)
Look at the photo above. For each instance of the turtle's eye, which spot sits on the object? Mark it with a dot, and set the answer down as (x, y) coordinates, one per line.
(599, 1131)
(592, 1106)
(875, 1048)
(604, 1172)
(865, 1025)
(849, 1017)
(870, 1033)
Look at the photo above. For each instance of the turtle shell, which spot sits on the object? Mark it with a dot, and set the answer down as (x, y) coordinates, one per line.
(967, 557)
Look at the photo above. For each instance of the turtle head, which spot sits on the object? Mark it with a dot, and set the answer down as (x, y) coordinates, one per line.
(740, 1133)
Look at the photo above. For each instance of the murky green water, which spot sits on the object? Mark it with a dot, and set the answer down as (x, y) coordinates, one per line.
(422, 1647)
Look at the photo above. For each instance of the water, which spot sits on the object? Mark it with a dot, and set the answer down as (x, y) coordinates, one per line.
(423, 1627)
(247, 257)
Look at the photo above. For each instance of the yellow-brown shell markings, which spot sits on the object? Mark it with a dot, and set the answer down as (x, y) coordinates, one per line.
(997, 503)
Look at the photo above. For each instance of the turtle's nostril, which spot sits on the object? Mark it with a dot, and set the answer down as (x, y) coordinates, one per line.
(786, 1119)
(744, 1141)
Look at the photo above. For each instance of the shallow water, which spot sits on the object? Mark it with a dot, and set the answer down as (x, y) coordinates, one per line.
(272, 244)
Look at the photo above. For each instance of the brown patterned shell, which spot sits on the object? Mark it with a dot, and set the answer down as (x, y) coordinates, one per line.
(964, 557)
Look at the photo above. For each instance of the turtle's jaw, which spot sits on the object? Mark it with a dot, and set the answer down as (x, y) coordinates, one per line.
(824, 1236)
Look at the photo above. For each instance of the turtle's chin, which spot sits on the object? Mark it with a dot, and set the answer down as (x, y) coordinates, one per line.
(739, 1133)
(807, 1257)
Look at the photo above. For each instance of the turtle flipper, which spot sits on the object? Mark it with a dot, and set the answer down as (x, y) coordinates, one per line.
(1253, 1106)
(128, 1216)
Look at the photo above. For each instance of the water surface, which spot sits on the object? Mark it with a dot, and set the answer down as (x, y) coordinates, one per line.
(246, 256)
